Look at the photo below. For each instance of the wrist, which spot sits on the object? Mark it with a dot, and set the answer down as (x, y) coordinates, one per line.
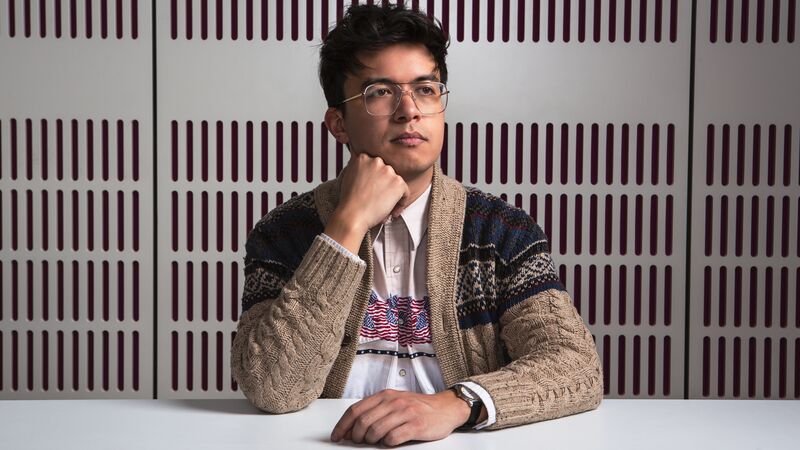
(345, 230)
(458, 408)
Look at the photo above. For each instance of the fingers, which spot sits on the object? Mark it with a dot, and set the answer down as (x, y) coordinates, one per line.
(404, 433)
(346, 422)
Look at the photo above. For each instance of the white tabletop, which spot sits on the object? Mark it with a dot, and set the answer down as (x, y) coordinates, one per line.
(234, 424)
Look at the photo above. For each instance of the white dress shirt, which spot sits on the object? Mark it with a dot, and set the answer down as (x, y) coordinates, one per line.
(395, 349)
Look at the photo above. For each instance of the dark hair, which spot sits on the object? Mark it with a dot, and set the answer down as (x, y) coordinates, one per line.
(368, 28)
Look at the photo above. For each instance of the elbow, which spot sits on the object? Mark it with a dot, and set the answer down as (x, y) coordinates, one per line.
(270, 400)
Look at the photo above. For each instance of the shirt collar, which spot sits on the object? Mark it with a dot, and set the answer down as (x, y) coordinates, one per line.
(415, 217)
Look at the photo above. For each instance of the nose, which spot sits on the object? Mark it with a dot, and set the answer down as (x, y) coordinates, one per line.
(407, 109)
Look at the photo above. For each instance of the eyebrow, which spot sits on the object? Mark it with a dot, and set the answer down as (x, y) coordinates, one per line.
(368, 81)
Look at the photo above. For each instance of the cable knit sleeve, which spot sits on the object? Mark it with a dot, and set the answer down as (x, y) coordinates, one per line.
(554, 370)
(290, 332)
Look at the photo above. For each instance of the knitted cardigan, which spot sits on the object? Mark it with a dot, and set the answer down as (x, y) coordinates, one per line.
(499, 316)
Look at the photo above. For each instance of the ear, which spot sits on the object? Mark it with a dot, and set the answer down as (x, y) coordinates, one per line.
(335, 123)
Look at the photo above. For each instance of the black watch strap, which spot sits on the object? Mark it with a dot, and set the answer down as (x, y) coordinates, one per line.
(474, 403)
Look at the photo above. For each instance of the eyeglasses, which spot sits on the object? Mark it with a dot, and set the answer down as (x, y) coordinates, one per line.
(382, 99)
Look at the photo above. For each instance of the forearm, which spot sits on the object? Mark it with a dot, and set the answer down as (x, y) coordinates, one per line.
(555, 369)
(285, 347)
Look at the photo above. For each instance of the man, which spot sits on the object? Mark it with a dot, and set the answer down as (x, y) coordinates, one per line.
(436, 304)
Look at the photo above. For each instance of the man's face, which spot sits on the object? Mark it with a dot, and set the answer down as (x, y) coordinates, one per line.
(380, 136)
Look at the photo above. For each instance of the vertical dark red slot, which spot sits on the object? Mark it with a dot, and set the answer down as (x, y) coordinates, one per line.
(234, 291)
(551, 21)
(235, 221)
(536, 20)
(621, 365)
(489, 152)
(249, 150)
(608, 228)
(204, 19)
(723, 226)
(279, 20)
(534, 165)
(234, 151)
(612, 19)
(105, 360)
(582, 21)
(309, 151)
(218, 11)
(592, 224)
(473, 154)
(119, 19)
(753, 296)
(173, 22)
(220, 150)
(637, 355)
(220, 221)
(768, 297)
(578, 226)
(174, 360)
(294, 148)
(135, 368)
(503, 149)
(29, 219)
(189, 291)
(623, 170)
(606, 364)
(264, 152)
(135, 284)
(654, 225)
(592, 293)
(562, 224)
(279, 151)
(120, 360)
(105, 149)
(28, 149)
(505, 21)
(234, 19)
(627, 21)
(204, 220)
(729, 21)
(204, 360)
(594, 153)
(460, 20)
(175, 291)
(607, 282)
(709, 209)
(220, 299)
(548, 157)
(637, 294)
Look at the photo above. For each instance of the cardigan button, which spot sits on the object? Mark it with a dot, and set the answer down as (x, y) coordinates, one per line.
(346, 340)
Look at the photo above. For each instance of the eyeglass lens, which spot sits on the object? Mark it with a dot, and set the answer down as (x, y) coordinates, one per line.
(382, 99)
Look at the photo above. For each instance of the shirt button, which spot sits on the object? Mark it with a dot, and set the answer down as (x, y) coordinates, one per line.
(402, 372)
(399, 321)
(396, 269)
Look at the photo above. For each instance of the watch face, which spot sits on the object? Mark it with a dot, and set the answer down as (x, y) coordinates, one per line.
(466, 393)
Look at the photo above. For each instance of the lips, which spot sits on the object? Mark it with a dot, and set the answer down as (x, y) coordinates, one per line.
(410, 139)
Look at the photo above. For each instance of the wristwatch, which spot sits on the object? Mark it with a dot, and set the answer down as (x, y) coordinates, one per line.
(474, 402)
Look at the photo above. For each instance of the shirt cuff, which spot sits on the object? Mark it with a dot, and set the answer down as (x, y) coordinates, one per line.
(340, 247)
(487, 402)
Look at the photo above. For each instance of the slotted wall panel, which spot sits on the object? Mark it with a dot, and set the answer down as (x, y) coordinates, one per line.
(76, 194)
(745, 315)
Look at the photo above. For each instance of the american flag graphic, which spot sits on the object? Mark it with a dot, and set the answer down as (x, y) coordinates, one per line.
(397, 319)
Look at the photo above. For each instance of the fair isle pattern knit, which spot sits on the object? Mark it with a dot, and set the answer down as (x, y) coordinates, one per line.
(498, 316)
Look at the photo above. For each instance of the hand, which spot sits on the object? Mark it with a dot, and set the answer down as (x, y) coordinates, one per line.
(394, 417)
(370, 192)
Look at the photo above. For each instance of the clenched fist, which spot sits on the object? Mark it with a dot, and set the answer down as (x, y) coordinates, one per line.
(370, 193)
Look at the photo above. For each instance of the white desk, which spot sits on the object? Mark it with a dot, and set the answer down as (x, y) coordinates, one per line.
(234, 424)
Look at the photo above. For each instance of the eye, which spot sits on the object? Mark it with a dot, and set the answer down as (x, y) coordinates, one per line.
(426, 90)
(379, 91)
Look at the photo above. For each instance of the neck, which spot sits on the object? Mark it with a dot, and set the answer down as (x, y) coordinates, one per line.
(418, 184)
